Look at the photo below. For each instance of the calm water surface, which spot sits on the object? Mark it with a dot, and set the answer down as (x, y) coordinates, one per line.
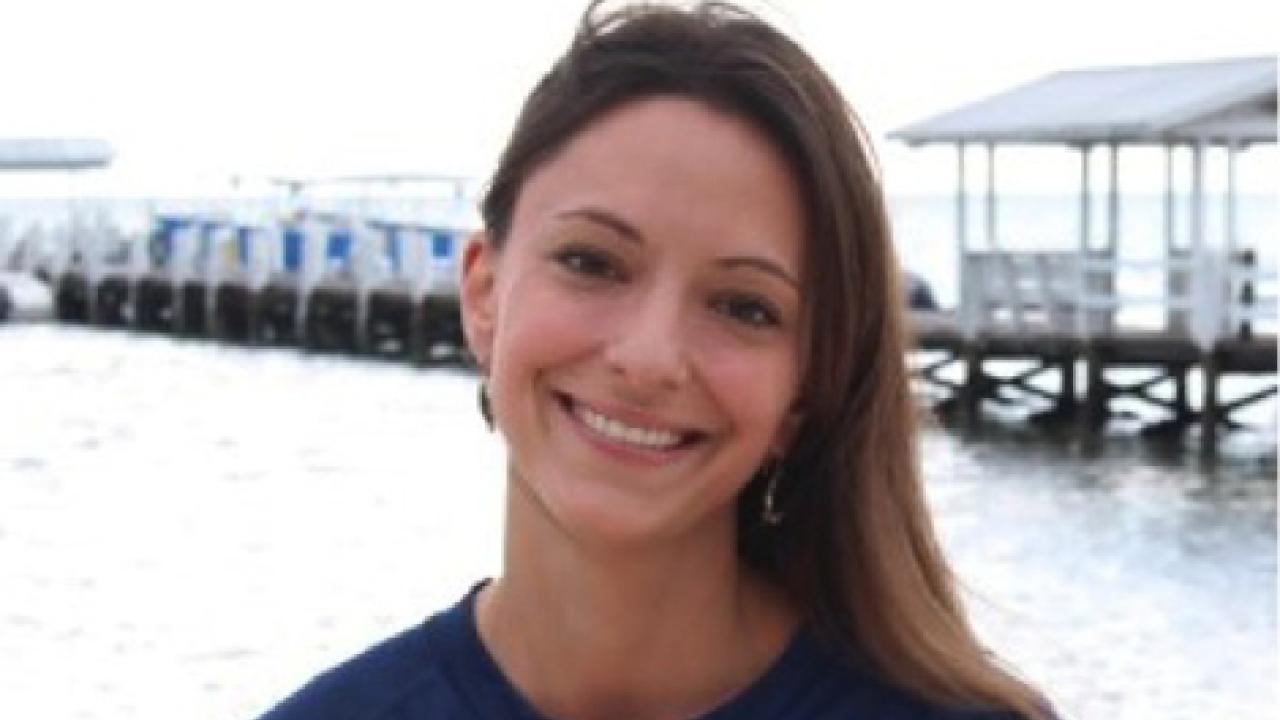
(191, 531)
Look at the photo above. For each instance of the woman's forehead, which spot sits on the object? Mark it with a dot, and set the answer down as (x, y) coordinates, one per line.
(672, 166)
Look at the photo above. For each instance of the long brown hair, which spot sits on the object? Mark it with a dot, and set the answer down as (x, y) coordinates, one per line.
(857, 552)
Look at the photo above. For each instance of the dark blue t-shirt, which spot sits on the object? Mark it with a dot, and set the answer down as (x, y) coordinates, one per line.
(440, 670)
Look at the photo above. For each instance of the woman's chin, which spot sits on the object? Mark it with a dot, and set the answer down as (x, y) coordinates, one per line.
(595, 521)
(609, 527)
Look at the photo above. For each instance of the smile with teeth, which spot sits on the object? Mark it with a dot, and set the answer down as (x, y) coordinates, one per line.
(648, 438)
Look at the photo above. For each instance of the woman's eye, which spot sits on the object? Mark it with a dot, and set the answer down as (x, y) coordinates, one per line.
(589, 263)
(749, 310)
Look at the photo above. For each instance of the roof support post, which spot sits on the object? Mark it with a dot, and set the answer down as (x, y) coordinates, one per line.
(1241, 295)
(1175, 275)
(1113, 198)
(967, 308)
(1107, 279)
(1229, 221)
(961, 202)
(1169, 201)
(1207, 295)
(992, 243)
(1082, 254)
(1197, 196)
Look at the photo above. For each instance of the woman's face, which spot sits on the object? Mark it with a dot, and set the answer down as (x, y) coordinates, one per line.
(642, 323)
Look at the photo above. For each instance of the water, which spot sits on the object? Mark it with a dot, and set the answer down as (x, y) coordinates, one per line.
(188, 530)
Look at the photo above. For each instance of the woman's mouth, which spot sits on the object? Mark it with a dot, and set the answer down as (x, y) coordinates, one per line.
(639, 436)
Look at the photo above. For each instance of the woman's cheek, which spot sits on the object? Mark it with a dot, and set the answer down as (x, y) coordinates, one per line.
(757, 381)
(555, 321)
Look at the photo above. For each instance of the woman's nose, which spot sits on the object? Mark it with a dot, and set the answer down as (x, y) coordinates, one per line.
(647, 349)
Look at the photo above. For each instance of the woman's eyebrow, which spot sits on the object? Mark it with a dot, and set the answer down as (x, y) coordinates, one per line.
(601, 216)
(762, 264)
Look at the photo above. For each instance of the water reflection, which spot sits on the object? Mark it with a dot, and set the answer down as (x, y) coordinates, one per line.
(1140, 581)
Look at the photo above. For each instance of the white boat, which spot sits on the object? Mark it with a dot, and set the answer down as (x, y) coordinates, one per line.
(24, 298)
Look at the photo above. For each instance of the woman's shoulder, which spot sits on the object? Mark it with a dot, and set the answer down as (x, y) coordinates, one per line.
(404, 676)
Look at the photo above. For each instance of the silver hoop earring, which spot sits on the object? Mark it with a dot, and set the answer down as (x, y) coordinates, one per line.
(769, 514)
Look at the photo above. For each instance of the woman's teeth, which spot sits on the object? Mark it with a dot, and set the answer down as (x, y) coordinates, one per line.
(614, 430)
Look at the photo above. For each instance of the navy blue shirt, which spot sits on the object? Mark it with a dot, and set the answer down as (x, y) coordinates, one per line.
(440, 669)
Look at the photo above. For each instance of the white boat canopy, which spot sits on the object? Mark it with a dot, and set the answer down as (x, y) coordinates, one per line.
(1230, 102)
(53, 154)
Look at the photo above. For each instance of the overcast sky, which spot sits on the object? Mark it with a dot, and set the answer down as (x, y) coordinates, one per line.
(191, 93)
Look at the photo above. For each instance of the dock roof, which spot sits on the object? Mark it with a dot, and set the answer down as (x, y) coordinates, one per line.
(1217, 101)
(53, 154)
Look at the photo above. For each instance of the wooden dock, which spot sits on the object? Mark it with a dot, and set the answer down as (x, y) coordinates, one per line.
(1061, 380)
(395, 323)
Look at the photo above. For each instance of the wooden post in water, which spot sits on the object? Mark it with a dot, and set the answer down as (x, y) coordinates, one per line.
(257, 270)
(974, 384)
(315, 246)
(1067, 387)
(213, 274)
(1209, 410)
(91, 251)
(413, 259)
(363, 259)
(1093, 412)
(179, 262)
(970, 394)
(1181, 401)
(139, 263)
(1094, 405)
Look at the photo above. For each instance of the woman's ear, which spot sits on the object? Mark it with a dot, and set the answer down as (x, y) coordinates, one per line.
(476, 295)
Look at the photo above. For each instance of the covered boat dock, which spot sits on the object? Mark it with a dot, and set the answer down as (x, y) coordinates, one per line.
(1062, 308)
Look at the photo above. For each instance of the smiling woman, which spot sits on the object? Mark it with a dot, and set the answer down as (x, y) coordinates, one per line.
(640, 324)
(684, 308)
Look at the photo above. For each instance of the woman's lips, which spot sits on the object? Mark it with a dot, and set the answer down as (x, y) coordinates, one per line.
(651, 439)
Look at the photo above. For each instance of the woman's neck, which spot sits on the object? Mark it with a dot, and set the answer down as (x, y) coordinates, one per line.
(657, 632)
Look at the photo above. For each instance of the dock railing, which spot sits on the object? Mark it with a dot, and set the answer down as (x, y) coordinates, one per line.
(1205, 298)
(1252, 296)
(1018, 292)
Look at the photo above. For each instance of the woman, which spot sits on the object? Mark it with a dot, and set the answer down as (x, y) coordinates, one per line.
(685, 309)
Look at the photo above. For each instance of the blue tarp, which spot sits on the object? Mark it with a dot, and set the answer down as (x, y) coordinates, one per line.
(395, 236)
(441, 245)
(339, 245)
(339, 241)
(294, 238)
(244, 237)
(166, 227)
